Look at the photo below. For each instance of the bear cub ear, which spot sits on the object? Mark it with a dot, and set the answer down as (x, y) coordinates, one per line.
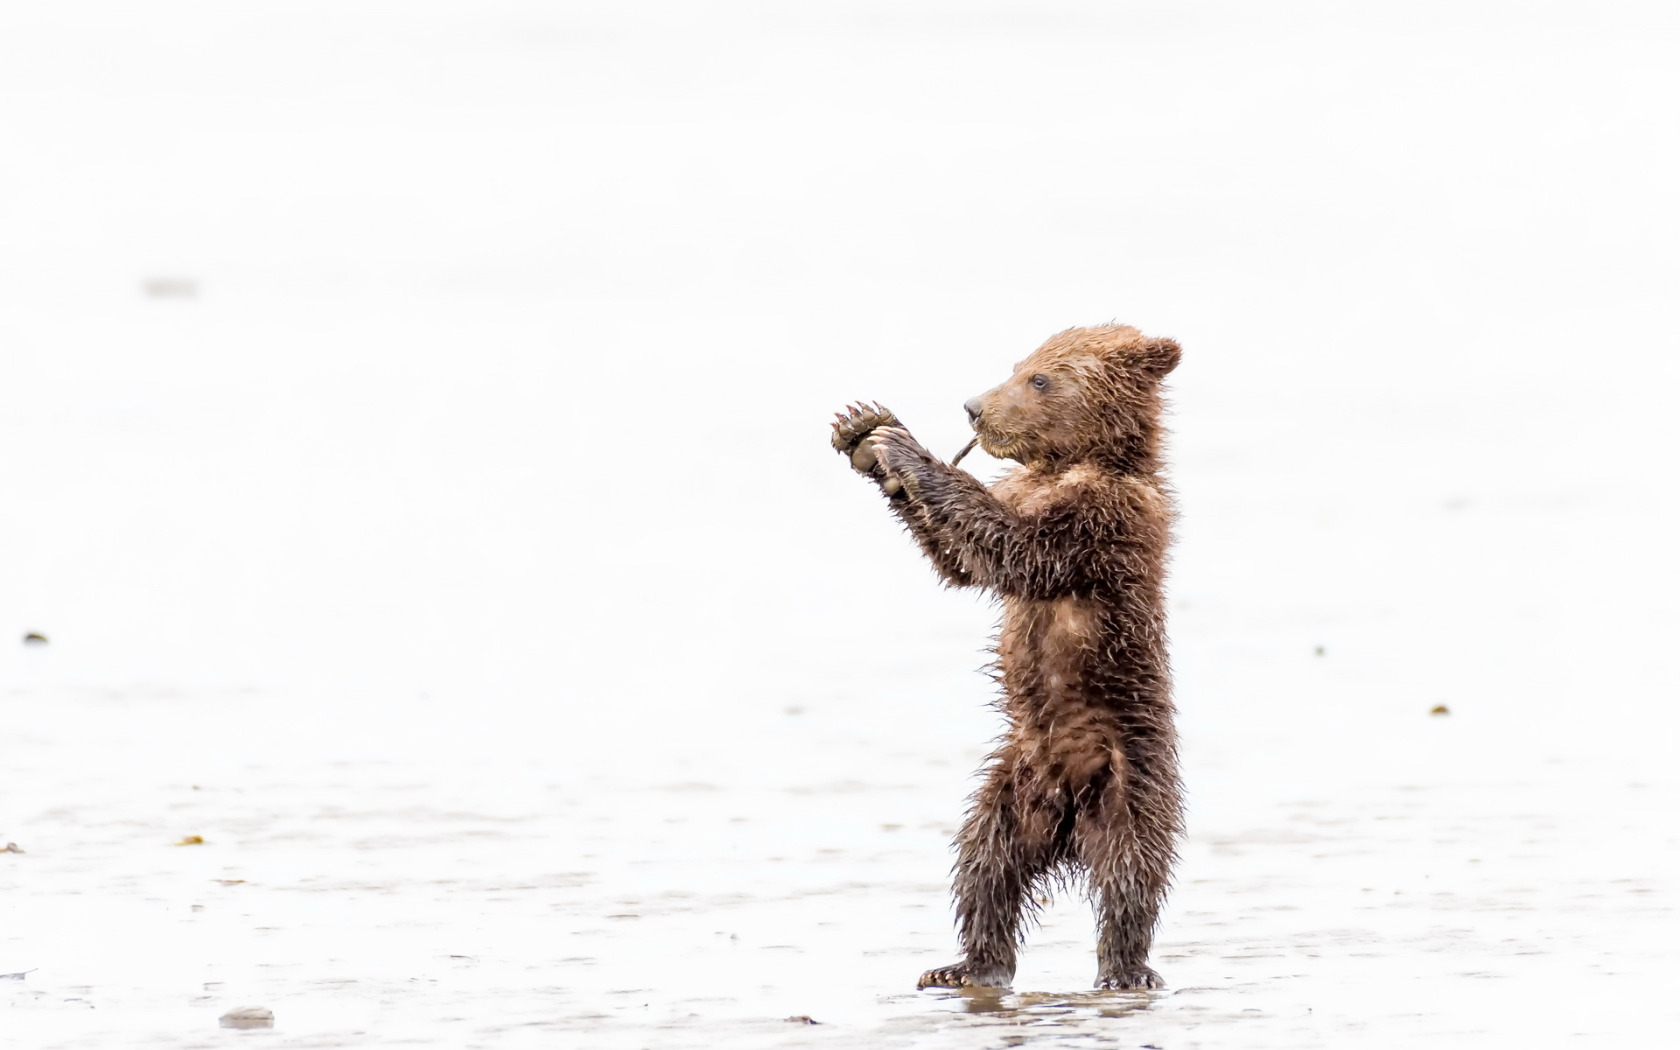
(1157, 357)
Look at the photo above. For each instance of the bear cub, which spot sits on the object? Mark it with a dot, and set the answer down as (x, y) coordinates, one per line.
(1073, 542)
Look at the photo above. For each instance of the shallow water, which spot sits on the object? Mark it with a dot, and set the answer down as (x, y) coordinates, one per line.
(465, 563)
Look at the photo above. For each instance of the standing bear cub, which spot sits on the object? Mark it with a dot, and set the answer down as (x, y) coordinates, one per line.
(1073, 541)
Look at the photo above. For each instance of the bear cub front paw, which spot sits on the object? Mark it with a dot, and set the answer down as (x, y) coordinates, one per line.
(855, 424)
(851, 431)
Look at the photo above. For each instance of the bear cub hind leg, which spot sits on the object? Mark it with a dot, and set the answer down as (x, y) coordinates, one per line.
(1004, 849)
(1128, 862)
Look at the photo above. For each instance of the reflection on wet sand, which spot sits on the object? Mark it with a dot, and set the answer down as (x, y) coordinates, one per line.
(1052, 1007)
(1022, 1018)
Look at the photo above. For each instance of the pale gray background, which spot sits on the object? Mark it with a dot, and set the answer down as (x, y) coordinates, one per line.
(466, 563)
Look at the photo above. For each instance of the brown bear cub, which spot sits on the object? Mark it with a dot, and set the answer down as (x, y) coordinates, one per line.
(1074, 543)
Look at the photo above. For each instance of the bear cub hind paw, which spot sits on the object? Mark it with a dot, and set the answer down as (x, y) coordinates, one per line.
(1135, 979)
(964, 975)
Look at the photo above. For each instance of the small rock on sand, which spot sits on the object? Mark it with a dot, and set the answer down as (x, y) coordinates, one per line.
(248, 1017)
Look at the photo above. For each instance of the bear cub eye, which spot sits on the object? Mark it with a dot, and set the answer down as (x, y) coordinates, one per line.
(1040, 382)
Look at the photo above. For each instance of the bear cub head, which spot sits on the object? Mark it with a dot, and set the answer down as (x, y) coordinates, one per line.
(1086, 394)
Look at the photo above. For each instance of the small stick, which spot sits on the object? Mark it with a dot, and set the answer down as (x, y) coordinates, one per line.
(966, 449)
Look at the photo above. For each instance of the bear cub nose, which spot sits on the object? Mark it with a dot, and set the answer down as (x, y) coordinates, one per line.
(972, 406)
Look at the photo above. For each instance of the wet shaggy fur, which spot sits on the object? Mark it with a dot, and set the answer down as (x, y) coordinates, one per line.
(1073, 541)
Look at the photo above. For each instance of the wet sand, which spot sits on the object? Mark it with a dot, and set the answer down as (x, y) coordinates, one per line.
(404, 876)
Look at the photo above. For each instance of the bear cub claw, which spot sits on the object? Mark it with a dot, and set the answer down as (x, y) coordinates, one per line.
(962, 975)
(852, 429)
(1141, 978)
(855, 424)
